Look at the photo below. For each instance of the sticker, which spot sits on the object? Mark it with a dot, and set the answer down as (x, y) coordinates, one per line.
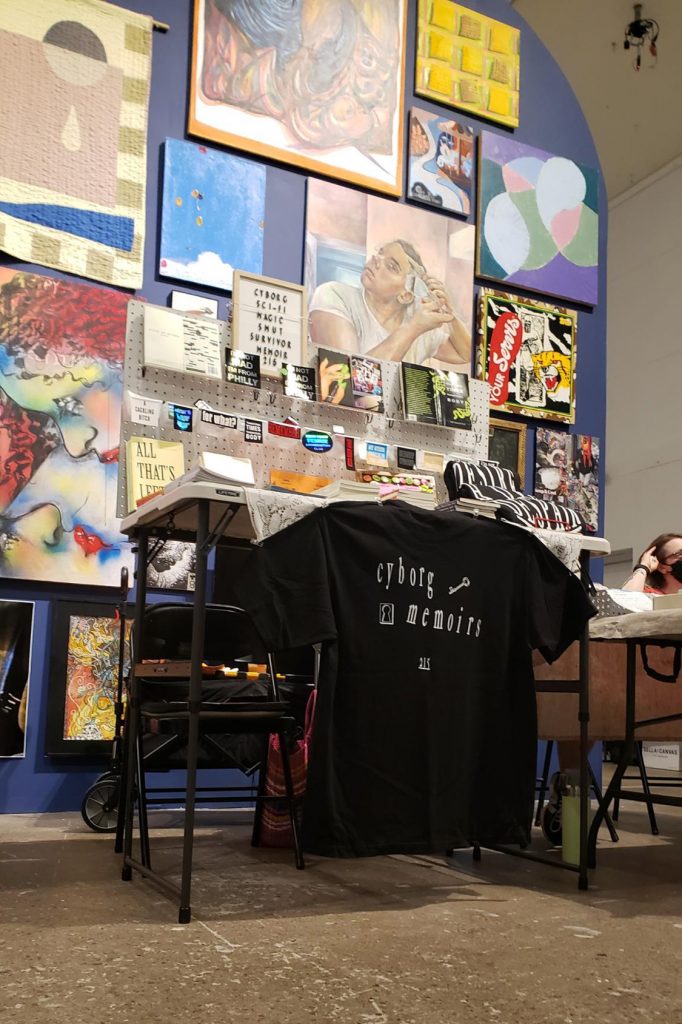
(349, 451)
(406, 458)
(317, 441)
(253, 431)
(242, 368)
(377, 451)
(213, 422)
(285, 430)
(144, 410)
(182, 418)
(299, 382)
(338, 429)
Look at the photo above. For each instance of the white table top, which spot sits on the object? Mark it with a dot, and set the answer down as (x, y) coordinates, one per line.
(182, 502)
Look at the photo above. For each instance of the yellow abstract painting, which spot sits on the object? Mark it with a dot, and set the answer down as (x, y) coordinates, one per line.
(468, 61)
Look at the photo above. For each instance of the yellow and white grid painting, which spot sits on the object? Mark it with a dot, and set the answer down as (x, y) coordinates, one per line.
(468, 61)
(74, 94)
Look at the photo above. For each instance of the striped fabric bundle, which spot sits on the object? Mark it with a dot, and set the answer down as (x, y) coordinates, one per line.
(488, 481)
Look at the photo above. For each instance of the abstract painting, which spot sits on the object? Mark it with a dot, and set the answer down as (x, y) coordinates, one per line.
(538, 220)
(213, 215)
(567, 471)
(83, 686)
(16, 632)
(468, 61)
(386, 280)
(441, 159)
(74, 91)
(525, 350)
(61, 383)
(309, 82)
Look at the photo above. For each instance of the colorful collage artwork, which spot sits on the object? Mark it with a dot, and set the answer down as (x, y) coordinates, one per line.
(318, 85)
(538, 220)
(567, 471)
(86, 648)
(74, 93)
(213, 215)
(61, 381)
(441, 162)
(525, 350)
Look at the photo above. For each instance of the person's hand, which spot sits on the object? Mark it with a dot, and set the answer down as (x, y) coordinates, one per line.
(429, 315)
(437, 289)
(649, 561)
(334, 373)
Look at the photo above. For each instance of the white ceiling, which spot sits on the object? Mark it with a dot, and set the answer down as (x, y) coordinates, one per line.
(634, 116)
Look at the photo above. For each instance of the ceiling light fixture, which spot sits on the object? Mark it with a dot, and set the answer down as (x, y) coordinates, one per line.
(638, 33)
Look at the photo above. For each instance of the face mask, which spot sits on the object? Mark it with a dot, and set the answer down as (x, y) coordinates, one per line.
(676, 571)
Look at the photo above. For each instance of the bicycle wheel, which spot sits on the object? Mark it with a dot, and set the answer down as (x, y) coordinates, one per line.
(100, 805)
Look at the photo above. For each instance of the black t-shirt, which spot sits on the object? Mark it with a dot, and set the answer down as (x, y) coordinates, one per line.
(425, 724)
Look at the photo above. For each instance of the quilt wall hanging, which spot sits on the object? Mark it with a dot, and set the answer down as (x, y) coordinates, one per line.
(74, 92)
(538, 220)
(315, 84)
(61, 386)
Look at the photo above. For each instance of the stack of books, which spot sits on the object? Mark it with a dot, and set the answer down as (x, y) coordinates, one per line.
(485, 507)
(348, 490)
(412, 495)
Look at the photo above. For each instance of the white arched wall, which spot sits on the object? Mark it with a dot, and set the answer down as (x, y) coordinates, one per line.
(644, 365)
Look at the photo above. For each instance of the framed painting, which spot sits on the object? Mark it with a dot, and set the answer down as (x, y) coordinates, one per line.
(374, 267)
(567, 471)
(81, 713)
(269, 319)
(538, 220)
(16, 644)
(507, 447)
(441, 162)
(212, 215)
(526, 351)
(317, 85)
(468, 61)
(62, 348)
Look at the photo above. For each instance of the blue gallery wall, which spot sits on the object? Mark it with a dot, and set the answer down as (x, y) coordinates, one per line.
(550, 118)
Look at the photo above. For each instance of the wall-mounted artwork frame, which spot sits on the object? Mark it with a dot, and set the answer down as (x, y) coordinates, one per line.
(537, 220)
(468, 61)
(440, 162)
(212, 214)
(352, 240)
(326, 94)
(270, 320)
(16, 647)
(567, 471)
(526, 351)
(507, 446)
(83, 681)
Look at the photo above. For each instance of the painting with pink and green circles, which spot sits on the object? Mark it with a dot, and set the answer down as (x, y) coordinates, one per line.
(538, 220)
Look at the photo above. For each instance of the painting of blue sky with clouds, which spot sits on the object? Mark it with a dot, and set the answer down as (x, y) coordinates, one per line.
(212, 215)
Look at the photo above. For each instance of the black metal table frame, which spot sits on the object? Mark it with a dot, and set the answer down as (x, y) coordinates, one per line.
(205, 540)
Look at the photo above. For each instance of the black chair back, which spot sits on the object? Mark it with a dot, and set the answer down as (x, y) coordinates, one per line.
(230, 635)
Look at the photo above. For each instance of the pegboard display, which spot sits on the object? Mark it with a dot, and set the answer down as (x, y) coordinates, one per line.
(268, 403)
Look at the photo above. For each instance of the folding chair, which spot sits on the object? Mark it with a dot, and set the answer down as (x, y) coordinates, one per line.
(159, 698)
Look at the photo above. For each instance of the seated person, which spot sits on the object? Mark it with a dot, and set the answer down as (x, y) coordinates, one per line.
(658, 571)
(653, 573)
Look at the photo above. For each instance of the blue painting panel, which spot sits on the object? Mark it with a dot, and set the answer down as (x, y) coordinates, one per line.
(213, 214)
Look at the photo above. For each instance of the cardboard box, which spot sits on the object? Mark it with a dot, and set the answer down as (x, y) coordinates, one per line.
(662, 756)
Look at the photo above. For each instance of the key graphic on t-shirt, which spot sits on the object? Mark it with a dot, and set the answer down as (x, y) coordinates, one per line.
(386, 614)
(465, 583)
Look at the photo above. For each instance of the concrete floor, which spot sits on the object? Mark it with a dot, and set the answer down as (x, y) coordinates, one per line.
(390, 940)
